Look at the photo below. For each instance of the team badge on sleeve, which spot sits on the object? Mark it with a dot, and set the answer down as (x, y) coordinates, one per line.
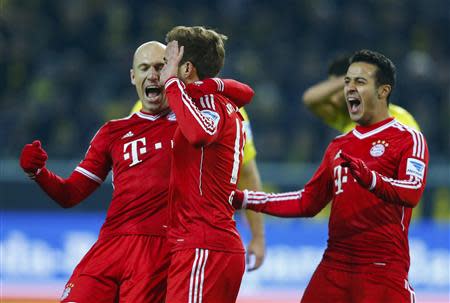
(66, 291)
(415, 167)
(214, 116)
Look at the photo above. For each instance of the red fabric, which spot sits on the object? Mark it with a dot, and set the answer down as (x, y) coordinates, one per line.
(33, 157)
(238, 199)
(329, 285)
(365, 226)
(138, 274)
(138, 150)
(66, 192)
(202, 275)
(239, 93)
(206, 159)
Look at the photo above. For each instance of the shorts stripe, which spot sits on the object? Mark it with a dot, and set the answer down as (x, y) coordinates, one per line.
(198, 276)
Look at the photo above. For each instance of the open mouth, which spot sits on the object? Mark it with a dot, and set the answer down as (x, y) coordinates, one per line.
(152, 92)
(354, 104)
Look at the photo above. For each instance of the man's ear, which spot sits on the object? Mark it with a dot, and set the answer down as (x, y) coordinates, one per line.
(133, 80)
(383, 91)
(188, 70)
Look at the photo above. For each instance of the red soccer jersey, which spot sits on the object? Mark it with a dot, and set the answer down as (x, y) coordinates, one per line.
(208, 148)
(138, 149)
(366, 227)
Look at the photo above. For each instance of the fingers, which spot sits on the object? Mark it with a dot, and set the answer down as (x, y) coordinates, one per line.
(250, 260)
(346, 156)
(257, 263)
(36, 143)
(180, 54)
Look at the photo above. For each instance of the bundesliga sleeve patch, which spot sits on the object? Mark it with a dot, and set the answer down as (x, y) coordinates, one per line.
(415, 167)
(214, 116)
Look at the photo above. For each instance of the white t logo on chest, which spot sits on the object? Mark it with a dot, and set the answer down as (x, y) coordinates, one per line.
(138, 147)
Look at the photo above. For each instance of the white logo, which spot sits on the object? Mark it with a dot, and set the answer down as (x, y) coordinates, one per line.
(127, 135)
(215, 117)
(340, 178)
(171, 117)
(338, 154)
(378, 148)
(415, 167)
(135, 151)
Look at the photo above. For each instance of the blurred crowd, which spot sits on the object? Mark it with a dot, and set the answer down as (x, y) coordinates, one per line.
(64, 65)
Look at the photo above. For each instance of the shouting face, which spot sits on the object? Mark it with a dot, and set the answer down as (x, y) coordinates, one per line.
(147, 64)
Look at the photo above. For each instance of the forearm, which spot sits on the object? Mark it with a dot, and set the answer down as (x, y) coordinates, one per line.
(250, 179)
(402, 192)
(322, 92)
(198, 129)
(286, 205)
(66, 192)
(238, 92)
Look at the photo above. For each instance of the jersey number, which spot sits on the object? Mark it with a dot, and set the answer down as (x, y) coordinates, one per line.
(238, 151)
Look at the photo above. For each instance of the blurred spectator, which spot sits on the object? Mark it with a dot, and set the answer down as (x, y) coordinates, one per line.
(55, 82)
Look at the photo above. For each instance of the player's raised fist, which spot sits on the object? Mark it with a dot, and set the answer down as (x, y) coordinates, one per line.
(359, 170)
(33, 157)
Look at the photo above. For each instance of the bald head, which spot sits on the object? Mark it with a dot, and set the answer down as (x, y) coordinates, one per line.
(147, 51)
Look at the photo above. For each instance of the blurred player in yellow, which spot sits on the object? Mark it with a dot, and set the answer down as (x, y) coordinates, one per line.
(249, 179)
(326, 100)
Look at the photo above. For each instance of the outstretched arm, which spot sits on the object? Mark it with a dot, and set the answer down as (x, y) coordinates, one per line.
(66, 192)
(307, 202)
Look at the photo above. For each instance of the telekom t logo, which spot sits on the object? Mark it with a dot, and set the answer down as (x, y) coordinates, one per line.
(135, 150)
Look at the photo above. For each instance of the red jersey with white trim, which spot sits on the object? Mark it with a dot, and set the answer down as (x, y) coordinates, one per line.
(207, 153)
(138, 150)
(366, 227)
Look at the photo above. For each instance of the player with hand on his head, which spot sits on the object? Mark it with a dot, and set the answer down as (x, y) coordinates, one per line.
(129, 261)
(207, 261)
(249, 176)
(374, 176)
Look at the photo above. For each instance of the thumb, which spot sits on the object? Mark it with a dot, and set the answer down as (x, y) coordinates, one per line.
(36, 143)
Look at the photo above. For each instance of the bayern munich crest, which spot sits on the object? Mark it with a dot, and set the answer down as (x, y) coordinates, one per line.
(378, 148)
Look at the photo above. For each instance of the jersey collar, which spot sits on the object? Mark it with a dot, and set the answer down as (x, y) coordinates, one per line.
(362, 132)
(151, 117)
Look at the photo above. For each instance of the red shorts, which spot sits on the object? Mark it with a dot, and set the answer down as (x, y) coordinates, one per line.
(204, 276)
(132, 268)
(338, 286)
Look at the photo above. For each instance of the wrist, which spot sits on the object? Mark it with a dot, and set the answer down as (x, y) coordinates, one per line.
(170, 81)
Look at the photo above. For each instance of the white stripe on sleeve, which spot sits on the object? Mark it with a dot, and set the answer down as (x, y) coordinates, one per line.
(88, 174)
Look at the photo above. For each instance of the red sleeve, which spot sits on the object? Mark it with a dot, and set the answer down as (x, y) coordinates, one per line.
(408, 188)
(66, 192)
(199, 127)
(97, 162)
(239, 93)
(307, 202)
(86, 177)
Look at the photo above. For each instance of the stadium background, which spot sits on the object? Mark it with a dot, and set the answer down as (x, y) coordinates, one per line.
(64, 70)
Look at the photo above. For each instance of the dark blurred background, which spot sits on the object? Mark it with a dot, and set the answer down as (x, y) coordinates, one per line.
(64, 71)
